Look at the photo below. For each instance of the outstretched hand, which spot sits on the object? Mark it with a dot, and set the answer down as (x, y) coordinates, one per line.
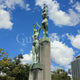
(37, 23)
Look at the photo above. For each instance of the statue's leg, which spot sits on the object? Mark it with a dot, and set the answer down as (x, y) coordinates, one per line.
(33, 54)
(46, 29)
(37, 52)
(43, 27)
(43, 30)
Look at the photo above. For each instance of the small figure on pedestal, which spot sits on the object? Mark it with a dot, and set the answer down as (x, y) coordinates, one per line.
(45, 21)
(35, 47)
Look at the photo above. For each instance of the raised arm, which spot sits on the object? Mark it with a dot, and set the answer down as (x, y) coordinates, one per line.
(39, 27)
(34, 26)
(32, 37)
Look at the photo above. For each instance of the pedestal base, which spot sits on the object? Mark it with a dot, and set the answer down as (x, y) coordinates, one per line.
(45, 57)
(36, 72)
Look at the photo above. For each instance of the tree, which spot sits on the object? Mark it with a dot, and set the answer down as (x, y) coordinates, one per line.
(60, 74)
(13, 69)
(4, 62)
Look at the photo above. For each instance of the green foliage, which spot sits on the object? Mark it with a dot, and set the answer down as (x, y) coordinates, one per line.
(20, 56)
(13, 68)
(60, 74)
(16, 71)
(3, 54)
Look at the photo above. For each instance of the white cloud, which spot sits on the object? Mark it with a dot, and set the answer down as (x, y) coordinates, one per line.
(28, 7)
(2, 6)
(74, 17)
(79, 31)
(5, 17)
(54, 68)
(59, 17)
(13, 3)
(53, 37)
(27, 58)
(75, 40)
(5, 20)
(77, 6)
(67, 67)
(71, 1)
(61, 53)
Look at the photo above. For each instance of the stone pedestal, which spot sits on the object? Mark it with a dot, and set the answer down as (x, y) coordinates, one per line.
(36, 72)
(45, 58)
(42, 70)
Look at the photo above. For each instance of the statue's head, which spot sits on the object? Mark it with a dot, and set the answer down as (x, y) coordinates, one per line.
(45, 6)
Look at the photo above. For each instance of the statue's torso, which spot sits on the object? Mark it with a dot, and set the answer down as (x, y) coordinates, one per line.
(35, 38)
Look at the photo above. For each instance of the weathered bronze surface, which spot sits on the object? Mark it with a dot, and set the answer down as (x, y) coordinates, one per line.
(45, 21)
(35, 47)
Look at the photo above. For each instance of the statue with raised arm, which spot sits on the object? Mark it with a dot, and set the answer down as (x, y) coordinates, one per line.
(45, 21)
(35, 47)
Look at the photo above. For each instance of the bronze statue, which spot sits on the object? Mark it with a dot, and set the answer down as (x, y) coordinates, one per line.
(35, 47)
(45, 21)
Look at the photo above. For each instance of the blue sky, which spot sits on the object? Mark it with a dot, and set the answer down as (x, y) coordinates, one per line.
(16, 28)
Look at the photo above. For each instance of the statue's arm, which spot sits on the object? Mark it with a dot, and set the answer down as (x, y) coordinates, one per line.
(32, 37)
(39, 27)
(34, 26)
